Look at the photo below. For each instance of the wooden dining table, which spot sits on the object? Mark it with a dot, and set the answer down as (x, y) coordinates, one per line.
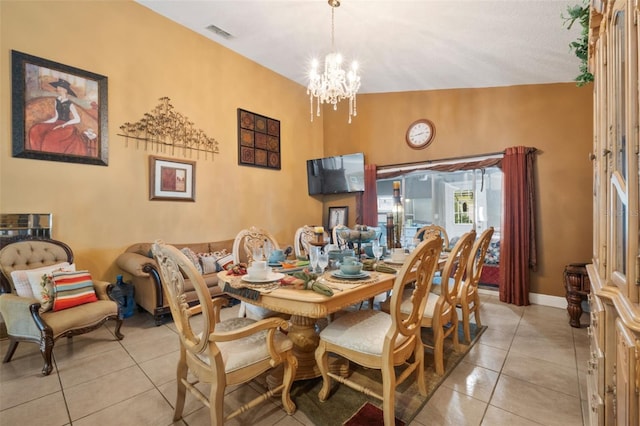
(306, 307)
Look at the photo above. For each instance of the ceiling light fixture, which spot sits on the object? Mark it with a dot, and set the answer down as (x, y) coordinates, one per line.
(334, 84)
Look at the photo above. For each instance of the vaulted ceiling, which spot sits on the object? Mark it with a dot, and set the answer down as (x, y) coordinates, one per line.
(401, 45)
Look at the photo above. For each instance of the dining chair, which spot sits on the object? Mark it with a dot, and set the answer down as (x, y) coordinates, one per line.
(246, 242)
(440, 312)
(223, 353)
(429, 230)
(468, 298)
(380, 340)
(301, 240)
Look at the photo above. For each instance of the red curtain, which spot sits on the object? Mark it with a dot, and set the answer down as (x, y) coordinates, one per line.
(367, 203)
(518, 242)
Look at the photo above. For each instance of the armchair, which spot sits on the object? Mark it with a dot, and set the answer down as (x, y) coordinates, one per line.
(22, 315)
(224, 353)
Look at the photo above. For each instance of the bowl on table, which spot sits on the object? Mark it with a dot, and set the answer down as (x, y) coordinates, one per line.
(354, 268)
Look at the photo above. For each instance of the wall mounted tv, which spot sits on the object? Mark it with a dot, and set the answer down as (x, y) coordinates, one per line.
(335, 175)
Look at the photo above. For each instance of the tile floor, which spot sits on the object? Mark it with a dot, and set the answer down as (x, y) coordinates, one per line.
(528, 368)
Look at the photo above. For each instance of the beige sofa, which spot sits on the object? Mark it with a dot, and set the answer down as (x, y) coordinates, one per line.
(142, 270)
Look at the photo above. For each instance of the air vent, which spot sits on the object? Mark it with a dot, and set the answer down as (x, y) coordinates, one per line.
(219, 31)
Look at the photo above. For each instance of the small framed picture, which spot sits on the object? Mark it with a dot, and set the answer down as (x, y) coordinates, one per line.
(338, 216)
(171, 180)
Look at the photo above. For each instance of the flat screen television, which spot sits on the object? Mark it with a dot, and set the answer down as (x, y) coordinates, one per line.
(336, 175)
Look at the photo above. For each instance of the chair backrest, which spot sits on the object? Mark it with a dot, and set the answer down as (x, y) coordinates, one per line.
(174, 267)
(419, 269)
(248, 239)
(476, 260)
(456, 265)
(337, 237)
(303, 235)
(28, 252)
(427, 231)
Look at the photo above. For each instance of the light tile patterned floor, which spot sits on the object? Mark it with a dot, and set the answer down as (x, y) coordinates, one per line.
(528, 368)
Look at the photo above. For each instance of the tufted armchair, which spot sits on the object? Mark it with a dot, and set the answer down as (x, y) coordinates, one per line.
(23, 316)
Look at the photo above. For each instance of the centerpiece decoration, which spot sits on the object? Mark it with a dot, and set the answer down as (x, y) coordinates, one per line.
(360, 234)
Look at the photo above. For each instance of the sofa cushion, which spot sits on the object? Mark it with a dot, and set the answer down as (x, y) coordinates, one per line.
(493, 253)
(208, 262)
(21, 280)
(72, 289)
(225, 261)
(193, 257)
(42, 288)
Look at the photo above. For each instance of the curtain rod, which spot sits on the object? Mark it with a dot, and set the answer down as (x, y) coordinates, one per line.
(405, 166)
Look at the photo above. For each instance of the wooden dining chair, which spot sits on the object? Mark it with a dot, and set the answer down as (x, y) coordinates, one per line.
(225, 353)
(429, 230)
(301, 240)
(440, 312)
(243, 247)
(467, 297)
(380, 340)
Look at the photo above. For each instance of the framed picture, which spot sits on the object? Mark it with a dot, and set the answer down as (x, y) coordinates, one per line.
(172, 180)
(59, 113)
(258, 140)
(338, 216)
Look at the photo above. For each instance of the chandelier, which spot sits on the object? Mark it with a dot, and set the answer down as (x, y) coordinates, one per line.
(334, 84)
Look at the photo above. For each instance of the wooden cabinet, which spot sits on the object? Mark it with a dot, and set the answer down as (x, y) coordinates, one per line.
(613, 373)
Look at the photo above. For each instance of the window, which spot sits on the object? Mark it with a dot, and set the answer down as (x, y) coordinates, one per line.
(458, 201)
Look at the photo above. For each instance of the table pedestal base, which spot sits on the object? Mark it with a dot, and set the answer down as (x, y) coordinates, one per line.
(303, 334)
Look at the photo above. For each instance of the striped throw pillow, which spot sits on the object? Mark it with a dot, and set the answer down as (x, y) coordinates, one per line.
(72, 289)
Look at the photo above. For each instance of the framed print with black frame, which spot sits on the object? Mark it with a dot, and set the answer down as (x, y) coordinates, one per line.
(171, 180)
(338, 216)
(59, 113)
(258, 140)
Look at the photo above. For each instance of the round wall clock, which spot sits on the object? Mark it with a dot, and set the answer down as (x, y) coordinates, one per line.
(420, 133)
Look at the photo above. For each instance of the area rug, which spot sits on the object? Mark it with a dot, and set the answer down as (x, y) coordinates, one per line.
(344, 403)
(368, 415)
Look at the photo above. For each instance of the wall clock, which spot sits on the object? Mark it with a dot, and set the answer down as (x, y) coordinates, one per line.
(420, 133)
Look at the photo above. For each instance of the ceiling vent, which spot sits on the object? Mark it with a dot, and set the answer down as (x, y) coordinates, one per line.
(219, 31)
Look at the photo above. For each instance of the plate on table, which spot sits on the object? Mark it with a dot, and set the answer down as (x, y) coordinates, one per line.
(271, 276)
(274, 264)
(394, 262)
(339, 274)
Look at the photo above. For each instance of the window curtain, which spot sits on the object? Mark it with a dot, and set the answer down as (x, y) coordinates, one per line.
(367, 202)
(518, 236)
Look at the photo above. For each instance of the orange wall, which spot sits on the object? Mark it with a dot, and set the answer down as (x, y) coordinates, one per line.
(555, 118)
(101, 210)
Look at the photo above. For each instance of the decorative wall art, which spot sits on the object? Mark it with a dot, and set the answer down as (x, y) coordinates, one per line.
(338, 216)
(167, 131)
(59, 113)
(258, 140)
(171, 180)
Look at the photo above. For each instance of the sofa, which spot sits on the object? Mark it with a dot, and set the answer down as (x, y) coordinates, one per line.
(141, 269)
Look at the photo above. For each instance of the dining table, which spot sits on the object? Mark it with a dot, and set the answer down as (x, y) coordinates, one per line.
(307, 308)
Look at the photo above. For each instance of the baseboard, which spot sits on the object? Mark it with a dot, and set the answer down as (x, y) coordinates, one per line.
(536, 299)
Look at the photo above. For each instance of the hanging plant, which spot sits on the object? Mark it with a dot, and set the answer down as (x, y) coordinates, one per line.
(580, 13)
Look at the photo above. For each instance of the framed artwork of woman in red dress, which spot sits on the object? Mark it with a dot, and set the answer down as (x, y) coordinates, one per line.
(59, 112)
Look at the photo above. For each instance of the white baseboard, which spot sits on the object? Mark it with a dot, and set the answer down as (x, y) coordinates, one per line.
(536, 299)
